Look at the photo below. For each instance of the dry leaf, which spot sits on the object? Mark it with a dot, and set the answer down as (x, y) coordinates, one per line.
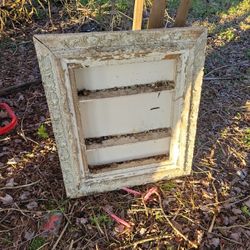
(236, 211)
(28, 235)
(81, 221)
(25, 195)
(235, 236)
(247, 203)
(32, 205)
(215, 242)
(10, 183)
(119, 228)
(7, 199)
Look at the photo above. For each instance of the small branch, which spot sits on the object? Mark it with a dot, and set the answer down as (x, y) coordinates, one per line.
(233, 226)
(177, 232)
(218, 78)
(15, 88)
(212, 224)
(225, 238)
(61, 235)
(135, 244)
(21, 186)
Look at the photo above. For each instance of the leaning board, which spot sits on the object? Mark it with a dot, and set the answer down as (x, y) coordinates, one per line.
(123, 105)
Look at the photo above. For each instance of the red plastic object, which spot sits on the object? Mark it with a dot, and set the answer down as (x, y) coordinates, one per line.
(116, 218)
(12, 124)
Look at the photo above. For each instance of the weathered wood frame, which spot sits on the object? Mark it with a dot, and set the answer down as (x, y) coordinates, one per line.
(58, 54)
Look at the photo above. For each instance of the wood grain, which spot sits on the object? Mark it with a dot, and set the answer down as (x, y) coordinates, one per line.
(138, 12)
(182, 13)
(156, 18)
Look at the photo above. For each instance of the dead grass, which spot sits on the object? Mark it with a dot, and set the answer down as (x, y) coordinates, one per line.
(210, 208)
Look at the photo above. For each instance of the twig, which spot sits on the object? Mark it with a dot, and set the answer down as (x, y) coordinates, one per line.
(174, 228)
(134, 245)
(219, 78)
(222, 67)
(60, 236)
(21, 186)
(233, 226)
(238, 201)
(212, 224)
(22, 210)
(15, 88)
(225, 238)
(41, 247)
(71, 245)
(121, 13)
(97, 223)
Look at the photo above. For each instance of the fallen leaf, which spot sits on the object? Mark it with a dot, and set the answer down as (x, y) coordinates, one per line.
(10, 183)
(236, 211)
(120, 228)
(235, 236)
(225, 220)
(81, 221)
(247, 203)
(28, 235)
(232, 219)
(215, 242)
(25, 195)
(7, 199)
(32, 205)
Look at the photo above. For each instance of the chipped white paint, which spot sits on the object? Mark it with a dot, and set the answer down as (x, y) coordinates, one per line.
(178, 53)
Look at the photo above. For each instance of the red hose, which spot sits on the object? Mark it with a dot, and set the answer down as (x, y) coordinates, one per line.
(12, 124)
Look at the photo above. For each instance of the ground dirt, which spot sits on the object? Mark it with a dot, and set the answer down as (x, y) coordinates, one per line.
(210, 209)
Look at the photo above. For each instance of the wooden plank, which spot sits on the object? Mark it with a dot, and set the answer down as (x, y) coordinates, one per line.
(80, 139)
(156, 18)
(137, 19)
(128, 152)
(126, 114)
(182, 13)
(120, 75)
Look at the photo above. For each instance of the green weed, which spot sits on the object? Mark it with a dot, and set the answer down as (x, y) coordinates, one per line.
(100, 219)
(227, 35)
(203, 8)
(36, 243)
(42, 132)
(245, 210)
(247, 137)
(168, 186)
